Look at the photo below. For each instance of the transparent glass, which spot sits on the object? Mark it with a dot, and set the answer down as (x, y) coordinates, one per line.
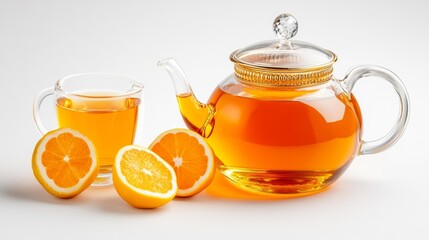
(290, 140)
(285, 139)
(104, 107)
(283, 52)
(272, 54)
(282, 123)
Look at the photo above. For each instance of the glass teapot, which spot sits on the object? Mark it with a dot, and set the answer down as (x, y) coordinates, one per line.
(282, 124)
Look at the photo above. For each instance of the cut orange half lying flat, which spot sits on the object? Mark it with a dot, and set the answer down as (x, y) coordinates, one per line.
(190, 156)
(142, 178)
(64, 162)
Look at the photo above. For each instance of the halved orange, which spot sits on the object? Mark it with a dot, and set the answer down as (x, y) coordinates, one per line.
(190, 156)
(142, 178)
(64, 162)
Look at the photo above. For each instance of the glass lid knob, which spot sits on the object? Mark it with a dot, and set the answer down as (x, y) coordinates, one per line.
(285, 26)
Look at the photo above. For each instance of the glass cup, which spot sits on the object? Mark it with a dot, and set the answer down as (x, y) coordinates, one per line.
(104, 107)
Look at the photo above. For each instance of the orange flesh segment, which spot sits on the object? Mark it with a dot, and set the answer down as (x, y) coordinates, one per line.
(143, 171)
(66, 159)
(188, 171)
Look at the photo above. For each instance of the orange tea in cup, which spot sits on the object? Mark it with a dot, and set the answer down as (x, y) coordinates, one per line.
(103, 107)
(110, 124)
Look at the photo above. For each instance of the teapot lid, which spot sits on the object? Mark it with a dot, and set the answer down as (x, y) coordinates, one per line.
(283, 62)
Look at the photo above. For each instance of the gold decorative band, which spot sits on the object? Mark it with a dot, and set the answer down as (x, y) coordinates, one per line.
(282, 77)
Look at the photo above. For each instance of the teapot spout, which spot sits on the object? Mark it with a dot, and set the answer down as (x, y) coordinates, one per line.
(177, 76)
(197, 116)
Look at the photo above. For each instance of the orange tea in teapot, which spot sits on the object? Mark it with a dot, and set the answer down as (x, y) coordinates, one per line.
(284, 138)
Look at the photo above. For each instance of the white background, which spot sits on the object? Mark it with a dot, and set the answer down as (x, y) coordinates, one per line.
(381, 196)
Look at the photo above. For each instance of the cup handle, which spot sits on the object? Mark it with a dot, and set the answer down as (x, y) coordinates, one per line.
(383, 143)
(36, 109)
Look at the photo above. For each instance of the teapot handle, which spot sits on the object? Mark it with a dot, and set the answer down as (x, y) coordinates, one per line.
(383, 143)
